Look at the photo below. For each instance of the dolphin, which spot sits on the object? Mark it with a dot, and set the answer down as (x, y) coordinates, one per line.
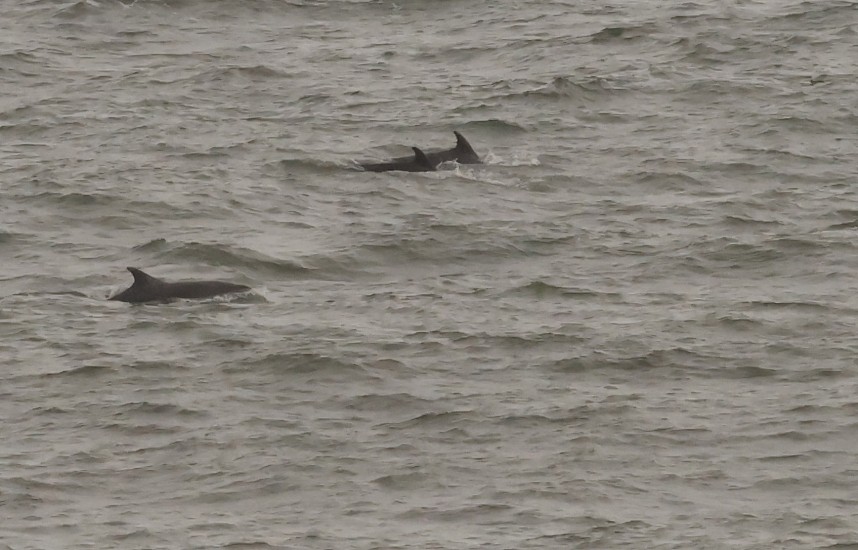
(417, 163)
(462, 153)
(147, 288)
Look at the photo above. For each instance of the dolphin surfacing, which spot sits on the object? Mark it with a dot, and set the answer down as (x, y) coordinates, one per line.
(462, 153)
(147, 288)
(418, 163)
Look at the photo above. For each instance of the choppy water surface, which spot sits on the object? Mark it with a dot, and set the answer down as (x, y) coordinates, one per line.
(633, 327)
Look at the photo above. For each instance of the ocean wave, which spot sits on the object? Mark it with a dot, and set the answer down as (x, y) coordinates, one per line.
(385, 402)
(87, 371)
(622, 33)
(748, 220)
(312, 164)
(793, 305)
(564, 88)
(76, 10)
(738, 254)
(114, 210)
(248, 75)
(407, 481)
(542, 289)
(20, 64)
(164, 251)
(148, 408)
(418, 249)
(677, 358)
(299, 363)
(844, 225)
(667, 180)
(445, 419)
(85, 8)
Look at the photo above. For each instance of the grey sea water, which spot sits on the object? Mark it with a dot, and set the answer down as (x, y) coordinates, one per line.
(633, 327)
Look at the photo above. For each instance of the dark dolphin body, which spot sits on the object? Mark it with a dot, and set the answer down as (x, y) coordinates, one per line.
(462, 153)
(147, 288)
(418, 163)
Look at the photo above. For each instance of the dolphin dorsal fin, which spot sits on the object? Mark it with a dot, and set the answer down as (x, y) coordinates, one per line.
(141, 278)
(422, 159)
(462, 144)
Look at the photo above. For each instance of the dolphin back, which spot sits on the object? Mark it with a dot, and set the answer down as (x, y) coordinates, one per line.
(147, 288)
(416, 163)
(203, 289)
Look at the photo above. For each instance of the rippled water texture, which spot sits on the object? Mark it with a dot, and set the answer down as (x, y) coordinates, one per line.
(632, 327)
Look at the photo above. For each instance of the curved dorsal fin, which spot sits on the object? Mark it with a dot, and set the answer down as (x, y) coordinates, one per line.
(422, 159)
(463, 145)
(141, 278)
